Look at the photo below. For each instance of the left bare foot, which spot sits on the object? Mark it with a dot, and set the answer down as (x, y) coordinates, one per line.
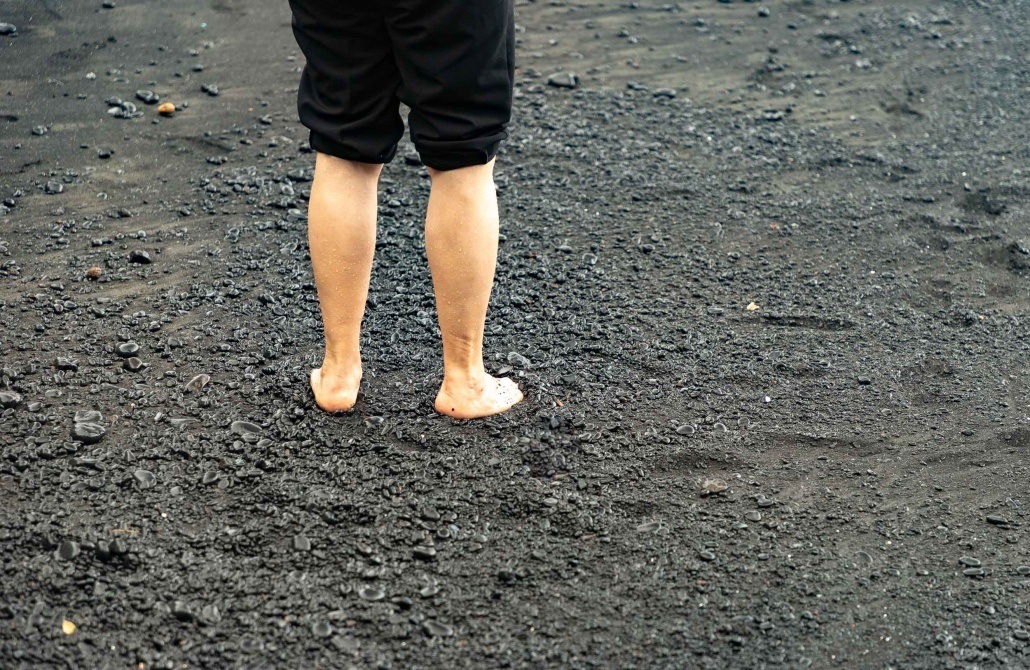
(336, 388)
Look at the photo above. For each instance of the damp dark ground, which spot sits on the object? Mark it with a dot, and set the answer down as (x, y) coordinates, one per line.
(765, 278)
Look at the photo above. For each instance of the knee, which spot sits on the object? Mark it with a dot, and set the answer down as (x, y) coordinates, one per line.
(344, 166)
(461, 173)
(370, 170)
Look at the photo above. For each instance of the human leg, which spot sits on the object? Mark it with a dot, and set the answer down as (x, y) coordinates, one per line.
(348, 99)
(456, 65)
(341, 238)
(461, 243)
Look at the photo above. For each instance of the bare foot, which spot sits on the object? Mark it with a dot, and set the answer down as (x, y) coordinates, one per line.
(335, 390)
(472, 401)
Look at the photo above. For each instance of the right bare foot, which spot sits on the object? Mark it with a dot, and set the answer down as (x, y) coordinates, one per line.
(474, 400)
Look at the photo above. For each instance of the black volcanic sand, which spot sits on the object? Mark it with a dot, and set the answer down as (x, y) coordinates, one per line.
(765, 279)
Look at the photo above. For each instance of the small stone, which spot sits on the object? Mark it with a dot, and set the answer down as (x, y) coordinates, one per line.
(8, 29)
(210, 615)
(166, 109)
(53, 187)
(712, 486)
(424, 553)
(669, 93)
(970, 561)
(127, 349)
(210, 477)
(9, 399)
(1023, 570)
(437, 628)
(707, 555)
(88, 416)
(753, 515)
(1021, 635)
(210, 89)
(94, 273)
(322, 629)
(133, 364)
(144, 478)
(997, 520)
(371, 593)
(62, 363)
(197, 383)
(563, 80)
(515, 358)
(149, 97)
(68, 550)
(88, 433)
(974, 572)
(182, 611)
(301, 543)
(127, 110)
(245, 428)
(141, 257)
(649, 527)
(685, 429)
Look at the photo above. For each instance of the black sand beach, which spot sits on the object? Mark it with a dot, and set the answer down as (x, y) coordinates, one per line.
(764, 277)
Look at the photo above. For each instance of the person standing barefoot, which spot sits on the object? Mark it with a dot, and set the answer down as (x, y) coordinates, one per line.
(452, 63)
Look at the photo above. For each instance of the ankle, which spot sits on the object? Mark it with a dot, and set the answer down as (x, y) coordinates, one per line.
(341, 362)
(464, 378)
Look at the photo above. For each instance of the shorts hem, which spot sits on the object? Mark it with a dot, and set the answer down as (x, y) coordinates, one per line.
(326, 145)
(443, 159)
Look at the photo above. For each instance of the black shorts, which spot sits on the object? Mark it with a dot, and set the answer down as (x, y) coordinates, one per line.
(451, 61)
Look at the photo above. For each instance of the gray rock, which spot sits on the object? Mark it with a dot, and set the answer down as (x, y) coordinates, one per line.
(88, 433)
(563, 80)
